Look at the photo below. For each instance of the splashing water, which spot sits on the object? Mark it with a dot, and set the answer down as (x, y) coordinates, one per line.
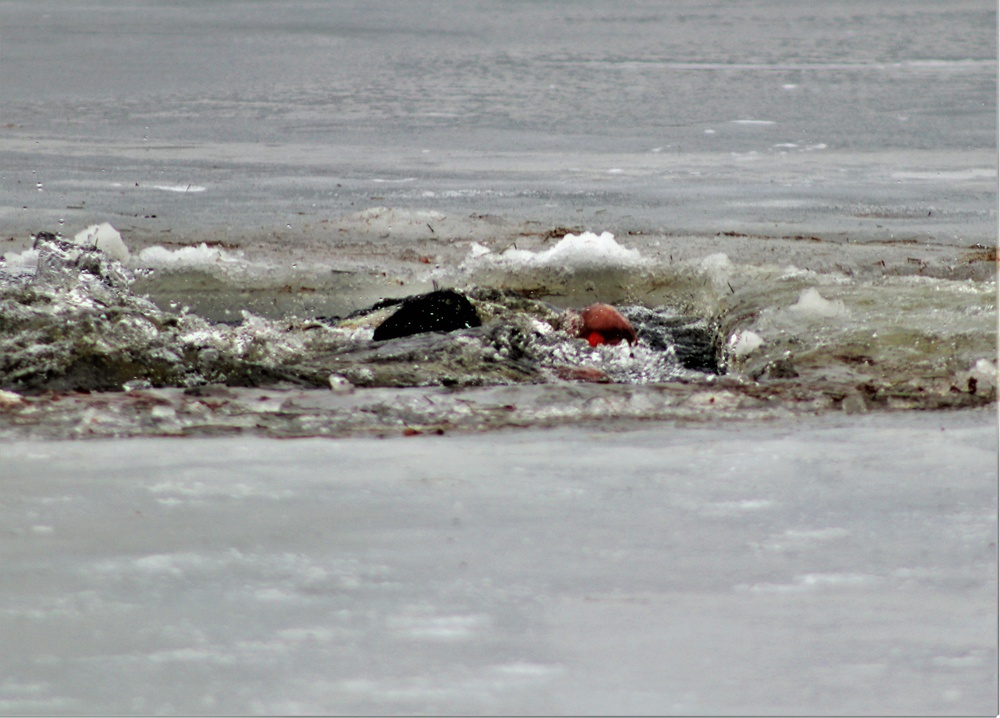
(712, 336)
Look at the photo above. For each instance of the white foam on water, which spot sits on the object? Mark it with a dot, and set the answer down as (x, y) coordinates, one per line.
(717, 268)
(812, 304)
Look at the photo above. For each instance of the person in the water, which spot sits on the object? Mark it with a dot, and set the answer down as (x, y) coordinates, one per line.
(601, 324)
(447, 310)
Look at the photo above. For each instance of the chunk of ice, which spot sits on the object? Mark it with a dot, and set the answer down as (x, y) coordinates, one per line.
(200, 256)
(20, 262)
(743, 343)
(105, 238)
(574, 251)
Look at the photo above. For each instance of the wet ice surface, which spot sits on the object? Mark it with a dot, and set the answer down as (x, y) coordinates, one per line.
(831, 565)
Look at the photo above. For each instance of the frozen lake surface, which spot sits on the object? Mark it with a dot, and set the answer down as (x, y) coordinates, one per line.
(809, 190)
(234, 121)
(835, 566)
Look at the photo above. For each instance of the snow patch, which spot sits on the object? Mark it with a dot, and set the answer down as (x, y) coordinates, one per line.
(803, 539)
(528, 670)
(204, 656)
(275, 595)
(182, 188)
(812, 582)
(170, 564)
(318, 634)
(974, 173)
(728, 508)
(439, 628)
(816, 534)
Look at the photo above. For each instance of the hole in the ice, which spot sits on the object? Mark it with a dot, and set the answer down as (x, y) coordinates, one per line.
(79, 326)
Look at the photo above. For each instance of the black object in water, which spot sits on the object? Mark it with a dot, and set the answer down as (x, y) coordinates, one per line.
(442, 311)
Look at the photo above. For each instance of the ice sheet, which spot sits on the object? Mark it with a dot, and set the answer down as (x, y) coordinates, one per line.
(840, 566)
(178, 123)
